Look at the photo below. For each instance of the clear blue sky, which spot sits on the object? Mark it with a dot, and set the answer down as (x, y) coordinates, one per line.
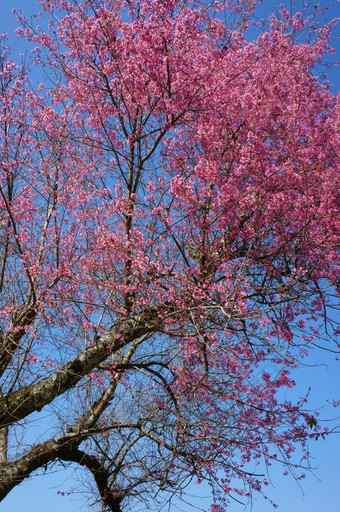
(318, 493)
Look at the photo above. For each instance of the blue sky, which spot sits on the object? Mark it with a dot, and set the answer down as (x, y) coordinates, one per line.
(318, 492)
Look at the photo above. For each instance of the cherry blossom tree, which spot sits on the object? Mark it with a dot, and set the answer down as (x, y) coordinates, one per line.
(169, 243)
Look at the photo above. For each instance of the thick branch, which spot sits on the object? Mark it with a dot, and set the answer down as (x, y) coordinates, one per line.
(3, 442)
(100, 474)
(64, 448)
(9, 341)
(26, 400)
(13, 473)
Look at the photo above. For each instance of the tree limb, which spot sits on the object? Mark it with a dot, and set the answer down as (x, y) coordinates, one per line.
(28, 399)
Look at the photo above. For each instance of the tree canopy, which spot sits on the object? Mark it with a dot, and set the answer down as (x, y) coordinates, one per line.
(169, 230)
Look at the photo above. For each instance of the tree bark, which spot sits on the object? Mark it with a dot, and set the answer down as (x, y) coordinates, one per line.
(9, 341)
(29, 399)
(63, 448)
(100, 475)
(13, 473)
